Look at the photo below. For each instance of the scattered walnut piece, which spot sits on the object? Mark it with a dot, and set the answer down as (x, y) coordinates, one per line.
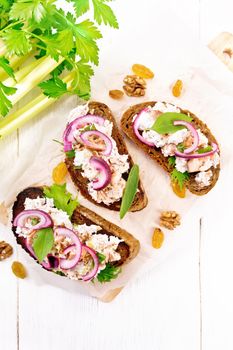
(6, 250)
(116, 94)
(170, 219)
(3, 214)
(134, 85)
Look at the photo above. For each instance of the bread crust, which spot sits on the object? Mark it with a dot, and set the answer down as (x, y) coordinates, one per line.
(156, 154)
(127, 249)
(140, 200)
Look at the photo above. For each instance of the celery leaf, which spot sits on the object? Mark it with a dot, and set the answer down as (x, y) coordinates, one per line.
(54, 87)
(5, 103)
(5, 64)
(17, 42)
(104, 14)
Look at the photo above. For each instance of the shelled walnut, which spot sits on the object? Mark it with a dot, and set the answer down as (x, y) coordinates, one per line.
(6, 250)
(134, 85)
(170, 219)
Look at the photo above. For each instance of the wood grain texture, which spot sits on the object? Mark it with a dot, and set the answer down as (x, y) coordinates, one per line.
(163, 310)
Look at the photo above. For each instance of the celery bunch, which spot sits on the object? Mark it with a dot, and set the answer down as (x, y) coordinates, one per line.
(41, 45)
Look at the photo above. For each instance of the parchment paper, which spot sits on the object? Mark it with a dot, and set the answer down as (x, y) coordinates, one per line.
(171, 55)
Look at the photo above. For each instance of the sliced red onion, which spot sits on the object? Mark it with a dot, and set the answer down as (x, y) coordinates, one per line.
(194, 133)
(104, 173)
(78, 123)
(64, 263)
(198, 155)
(53, 261)
(135, 129)
(108, 143)
(44, 219)
(90, 275)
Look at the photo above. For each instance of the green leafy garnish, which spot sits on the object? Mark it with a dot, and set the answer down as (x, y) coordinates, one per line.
(181, 147)
(34, 221)
(70, 154)
(5, 64)
(54, 87)
(205, 150)
(43, 243)
(108, 274)
(130, 190)
(179, 177)
(62, 198)
(60, 273)
(89, 127)
(164, 122)
(5, 103)
(101, 257)
(172, 161)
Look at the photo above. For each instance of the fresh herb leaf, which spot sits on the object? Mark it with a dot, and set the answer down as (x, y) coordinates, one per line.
(108, 274)
(104, 14)
(70, 154)
(130, 190)
(205, 150)
(89, 127)
(5, 103)
(172, 161)
(60, 273)
(5, 64)
(164, 122)
(54, 87)
(181, 147)
(81, 7)
(28, 10)
(57, 141)
(101, 257)
(43, 243)
(179, 177)
(62, 198)
(17, 42)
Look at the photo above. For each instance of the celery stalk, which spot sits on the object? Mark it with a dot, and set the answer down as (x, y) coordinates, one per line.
(22, 73)
(29, 111)
(15, 62)
(46, 66)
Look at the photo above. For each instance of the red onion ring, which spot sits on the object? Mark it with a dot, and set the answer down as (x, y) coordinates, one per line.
(90, 275)
(135, 129)
(108, 143)
(45, 219)
(64, 263)
(78, 123)
(198, 155)
(194, 133)
(104, 177)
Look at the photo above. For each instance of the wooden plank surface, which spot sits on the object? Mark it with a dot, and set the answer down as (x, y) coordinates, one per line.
(186, 303)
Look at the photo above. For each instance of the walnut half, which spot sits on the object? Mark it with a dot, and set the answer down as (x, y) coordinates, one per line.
(169, 219)
(134, 85)
(6, 250)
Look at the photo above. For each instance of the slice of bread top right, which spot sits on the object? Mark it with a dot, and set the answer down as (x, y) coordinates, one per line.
(178, 141)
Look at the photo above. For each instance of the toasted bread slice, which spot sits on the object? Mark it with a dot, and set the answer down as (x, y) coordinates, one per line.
(140, 200)
(156, 154)
(128, 249)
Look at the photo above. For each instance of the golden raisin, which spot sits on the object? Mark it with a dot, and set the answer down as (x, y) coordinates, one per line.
(157, 238)
(18, 269)
(177, 88)
(59, 173)
(180, 192)
(142, 71)
(116, 94)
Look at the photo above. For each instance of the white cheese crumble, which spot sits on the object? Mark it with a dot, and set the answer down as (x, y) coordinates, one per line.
(203, 178)
(178, 136)
(181, 164)
(203, 140)
(165, 107)
(152, 136)
(106, 245)
(78, 112)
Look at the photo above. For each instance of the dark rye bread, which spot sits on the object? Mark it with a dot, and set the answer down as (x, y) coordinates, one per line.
(140, 200)
(127, 249)
(156, 154)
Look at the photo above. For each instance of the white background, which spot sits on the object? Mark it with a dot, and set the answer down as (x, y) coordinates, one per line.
(185, 303)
